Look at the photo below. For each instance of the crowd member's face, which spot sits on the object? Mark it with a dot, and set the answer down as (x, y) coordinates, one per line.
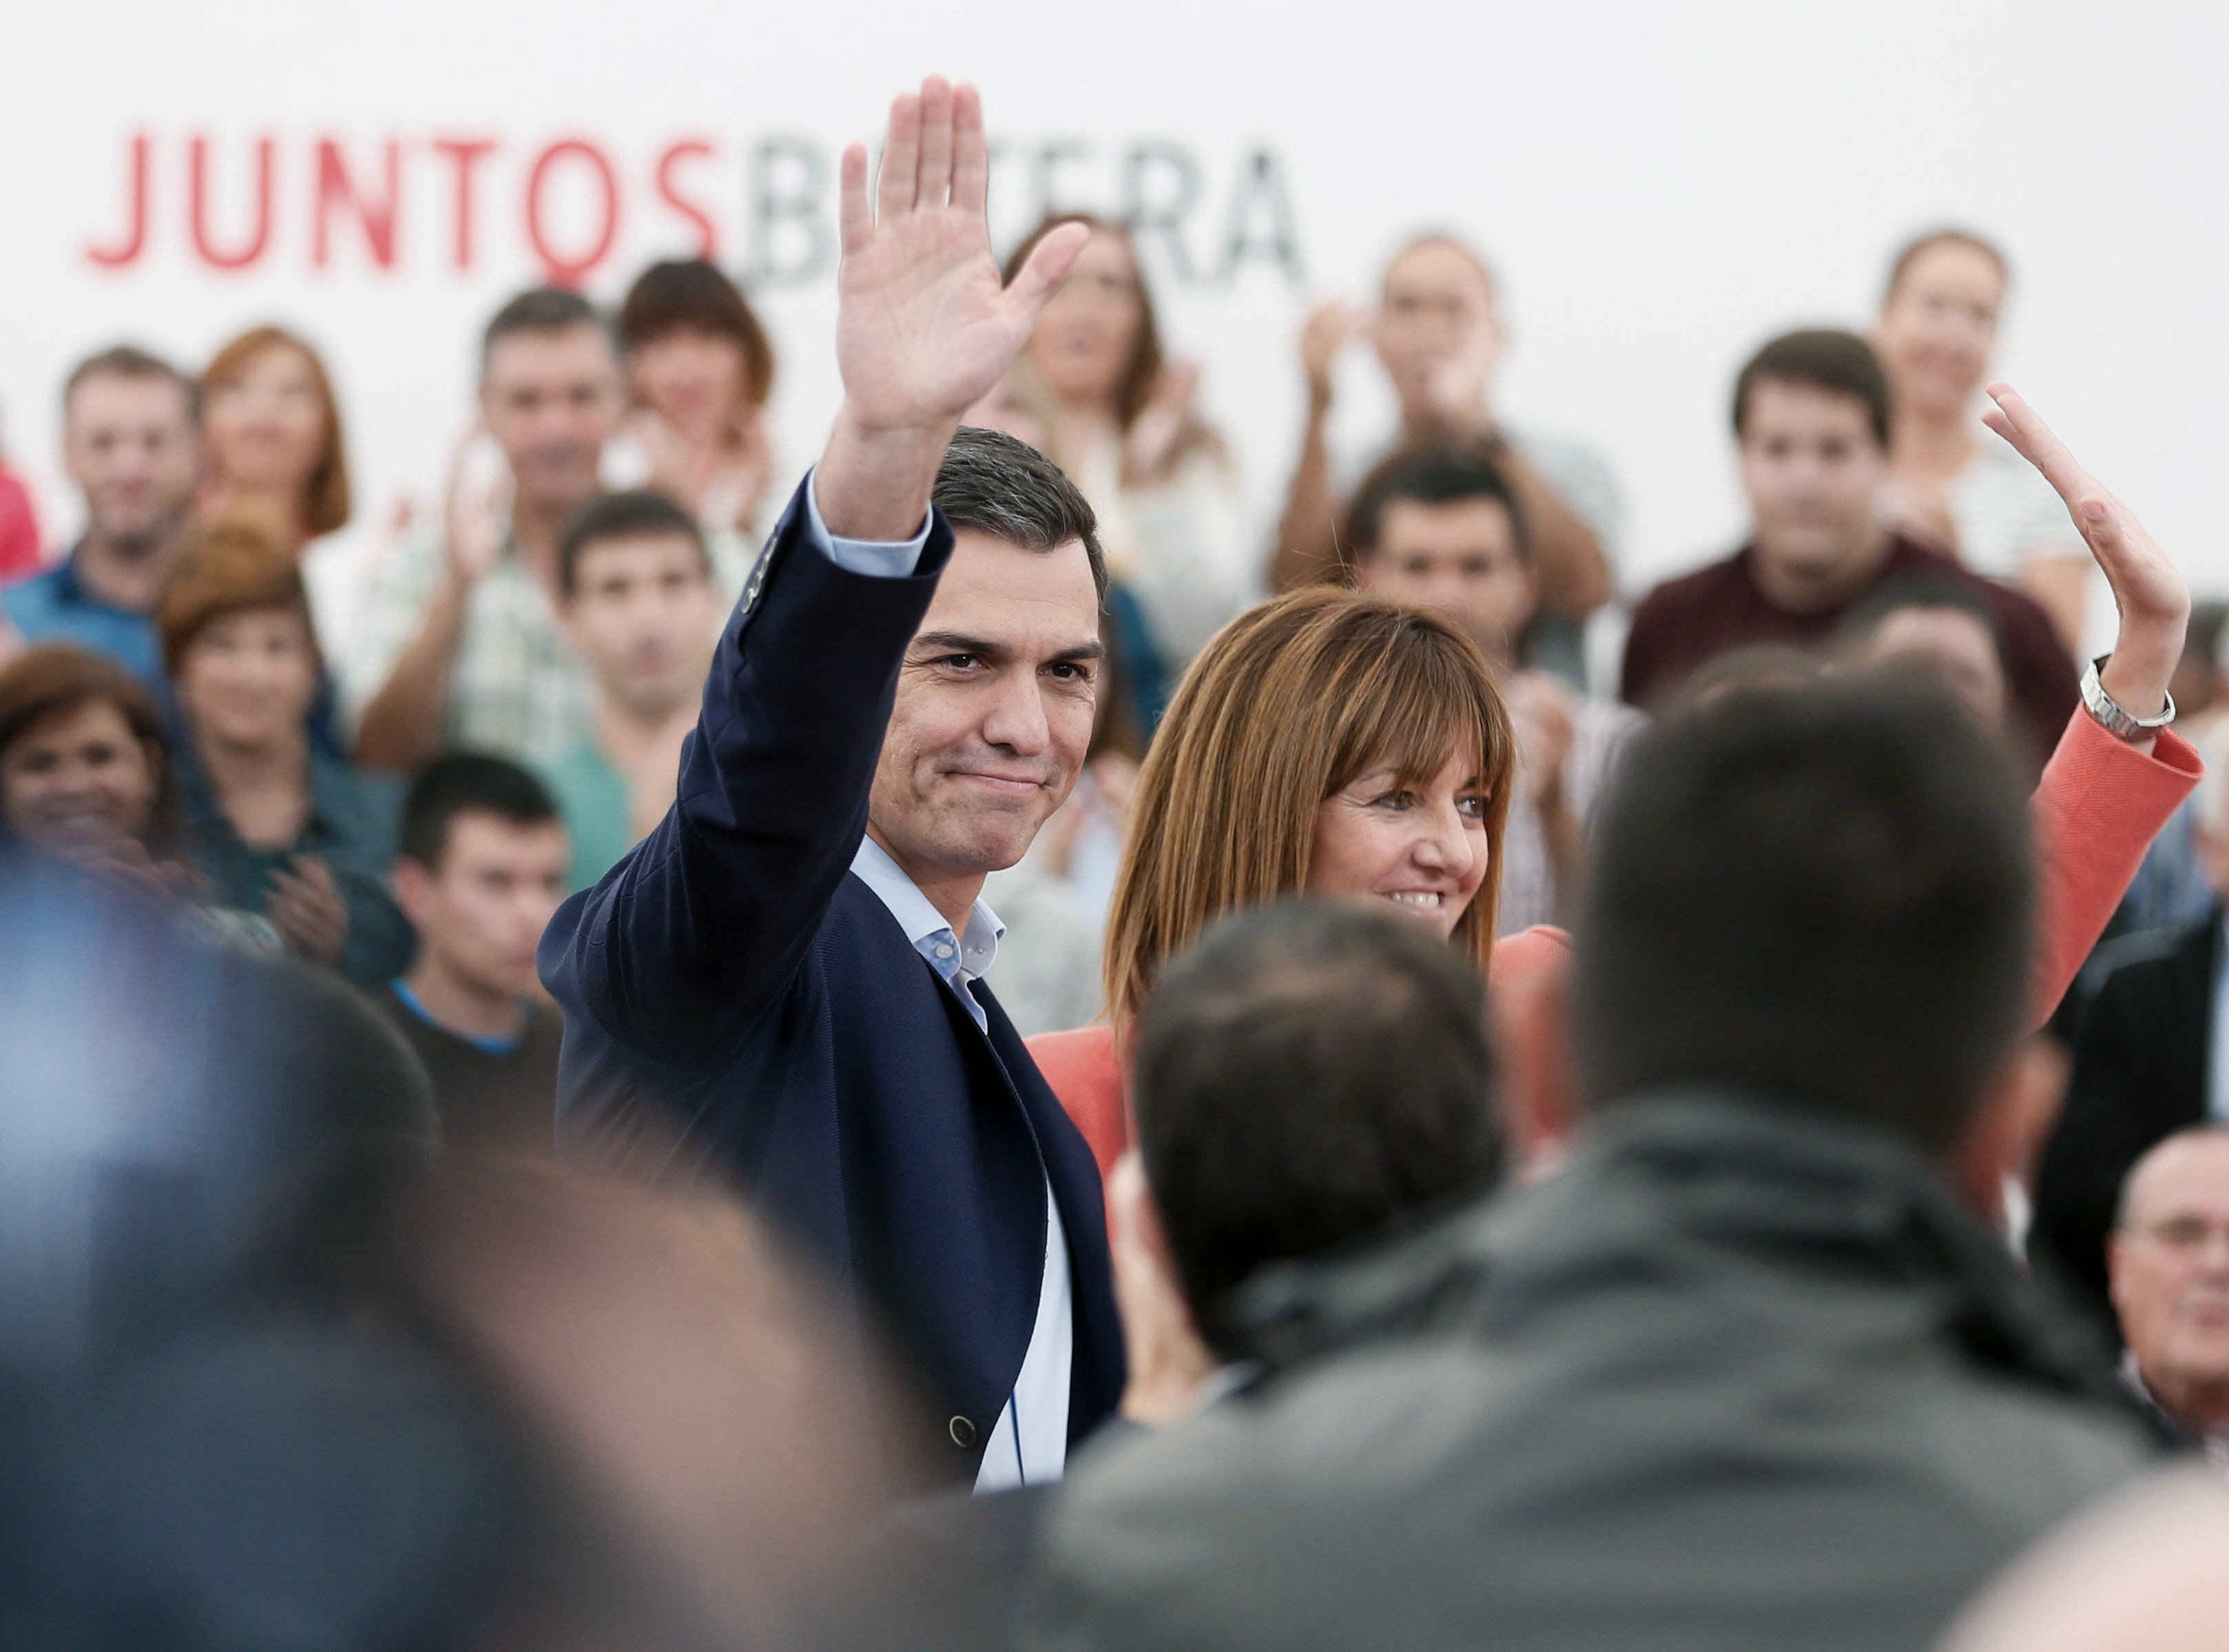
(1813, 470)
(1087, 332)
(552, 400)
(1953, 645)
(128, 441)
(691, 379)
(1436, 309)
(267, 428)
(2169, 1264)
(80, 782)
(643, 613)
(483, 909)
(1422, 847)
(248, 678)
(1939, 326)
(1460, 559)
(994, 707)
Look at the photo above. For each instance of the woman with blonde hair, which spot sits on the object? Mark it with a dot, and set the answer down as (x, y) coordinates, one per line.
(1122, 423)
(1327, 742)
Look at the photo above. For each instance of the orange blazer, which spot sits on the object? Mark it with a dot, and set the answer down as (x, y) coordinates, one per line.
(2098, 809)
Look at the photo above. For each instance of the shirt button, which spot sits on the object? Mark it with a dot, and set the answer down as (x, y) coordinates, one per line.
(943, 951)
(962, 1432)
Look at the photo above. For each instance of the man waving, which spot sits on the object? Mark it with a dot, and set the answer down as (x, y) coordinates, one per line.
(791, 965)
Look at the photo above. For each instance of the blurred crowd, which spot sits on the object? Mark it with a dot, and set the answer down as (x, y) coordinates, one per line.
(314, 1339)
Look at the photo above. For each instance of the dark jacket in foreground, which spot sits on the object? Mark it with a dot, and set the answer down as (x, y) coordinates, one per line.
(731, 981)
(1735, 1378)
(2143, 1048)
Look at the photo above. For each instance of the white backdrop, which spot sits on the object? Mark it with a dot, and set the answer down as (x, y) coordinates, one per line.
(1661, 185)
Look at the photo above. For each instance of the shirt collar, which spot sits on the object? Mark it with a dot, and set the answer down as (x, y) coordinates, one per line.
(970, 955)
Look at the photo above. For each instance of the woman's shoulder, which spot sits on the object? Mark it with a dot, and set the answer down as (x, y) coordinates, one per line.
(1084, 1057)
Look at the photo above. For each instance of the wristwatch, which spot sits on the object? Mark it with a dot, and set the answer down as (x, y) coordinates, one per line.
(2115, 721)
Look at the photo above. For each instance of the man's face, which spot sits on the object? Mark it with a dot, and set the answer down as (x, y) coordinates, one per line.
(1939, 326)
(2169, 1266)
(1812, 471)
(482, 911)
(551, 400)
(128, 440)
(1460, 559)
(994, 709)
(643, 613)
(1437, 310)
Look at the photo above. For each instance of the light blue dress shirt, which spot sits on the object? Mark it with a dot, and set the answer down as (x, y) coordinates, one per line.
(1030, 1444)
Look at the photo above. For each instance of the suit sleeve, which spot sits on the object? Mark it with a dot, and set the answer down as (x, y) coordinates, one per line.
(702, 925)
(2100, 804)
(2104, 1128)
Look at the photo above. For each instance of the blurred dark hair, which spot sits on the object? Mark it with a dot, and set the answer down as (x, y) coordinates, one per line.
(1865, 616)
(690, 295)
(1824, 358)
(466, 782)
(1437, 470)
(1309, 1074)
(998, 486)
(1822, 896)
(55, 679)
(636, 513)
(129, 361)
(1909, 253)
(541, 309)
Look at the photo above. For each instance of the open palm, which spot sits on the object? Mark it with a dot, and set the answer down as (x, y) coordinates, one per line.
(924, 326)
(2149, 591)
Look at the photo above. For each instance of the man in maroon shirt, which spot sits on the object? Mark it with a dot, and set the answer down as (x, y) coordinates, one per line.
(1811, 414)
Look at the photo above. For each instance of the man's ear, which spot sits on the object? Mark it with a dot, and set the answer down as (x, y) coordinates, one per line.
(413, 889)
(1168, 1361)
(2003, 1139)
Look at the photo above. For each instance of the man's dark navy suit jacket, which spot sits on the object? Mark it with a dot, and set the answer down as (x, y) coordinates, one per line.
(732, 972)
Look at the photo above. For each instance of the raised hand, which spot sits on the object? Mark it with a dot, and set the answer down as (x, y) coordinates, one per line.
(2154, 601)
(474, 513)
(1332, 326)
(924, 327)
(1153, 432)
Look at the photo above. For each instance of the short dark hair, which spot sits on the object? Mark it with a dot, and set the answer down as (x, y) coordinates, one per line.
(1433, 472)
(1309, 1074)
(1817, 895)
(1865, 615)
(1826, 358)
(541, 309)
(637, 513)
(998, 486)
(467, 782)
(129, 361)
(1950, 235)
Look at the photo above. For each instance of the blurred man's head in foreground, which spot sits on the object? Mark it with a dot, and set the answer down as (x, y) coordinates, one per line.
(1820, 896)
(1310, 1074)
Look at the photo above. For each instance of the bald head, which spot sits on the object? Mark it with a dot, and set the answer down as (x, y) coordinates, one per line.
(2168, 1262)
(1439, 330)
(2148, 1572)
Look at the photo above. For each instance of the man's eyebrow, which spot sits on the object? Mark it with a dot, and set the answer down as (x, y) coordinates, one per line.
(953, 642)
